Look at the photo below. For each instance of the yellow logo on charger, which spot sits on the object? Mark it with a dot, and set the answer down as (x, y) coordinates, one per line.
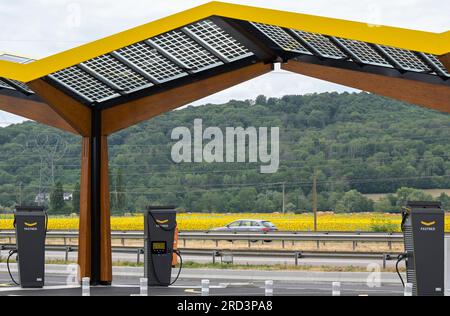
(162, 222)
(428, 224)
(31, 224)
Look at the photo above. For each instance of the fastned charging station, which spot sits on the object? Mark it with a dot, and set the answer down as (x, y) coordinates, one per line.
(160, 227)
(423, 226)
(31, 229)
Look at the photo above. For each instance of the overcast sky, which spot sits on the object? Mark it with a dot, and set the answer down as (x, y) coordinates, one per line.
(39, 28)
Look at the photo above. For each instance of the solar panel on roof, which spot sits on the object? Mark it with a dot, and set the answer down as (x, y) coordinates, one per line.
(363, 52)
(204, 45)
(151, 62)
(406, 59)
(22, 85)
(435, 60)
(218, 40)
(83, 84)
(185, 51)
(15, 59)
(322, 44)
(281, 38)
(116, 72)
(4, 85)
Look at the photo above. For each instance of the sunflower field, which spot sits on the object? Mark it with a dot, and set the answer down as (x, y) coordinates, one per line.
(285, 222)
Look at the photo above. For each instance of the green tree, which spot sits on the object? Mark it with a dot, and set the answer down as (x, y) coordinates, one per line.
(76, 199)
(247, 199)
(57, 204)
(261, 100)
(384, 205)
(353, 201)
(445, 201)
(409, 194)
(141, 203)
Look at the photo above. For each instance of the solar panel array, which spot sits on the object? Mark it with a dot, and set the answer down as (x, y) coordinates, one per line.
(204, 45)
(157, 67)
(362, 53)
(280, 37)
(4, 85)
(321, 44)
(438, 64)
(82, 83)
(15, 59)
(407, 60)
(217, 40)
(166, 57)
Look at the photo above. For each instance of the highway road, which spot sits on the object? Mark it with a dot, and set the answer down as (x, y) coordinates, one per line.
(223, 283)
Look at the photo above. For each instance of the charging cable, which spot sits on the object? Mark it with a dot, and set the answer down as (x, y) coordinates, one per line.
(178, 253)
(400, 258)
(11, 253)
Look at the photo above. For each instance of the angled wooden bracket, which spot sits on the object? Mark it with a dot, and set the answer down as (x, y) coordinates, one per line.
(34, 110)
(77, 115)
(432, 96)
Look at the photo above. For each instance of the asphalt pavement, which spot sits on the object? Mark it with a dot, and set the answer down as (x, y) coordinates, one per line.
(223, 283)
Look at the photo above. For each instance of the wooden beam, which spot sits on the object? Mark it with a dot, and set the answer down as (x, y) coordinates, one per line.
(85, 228)
(34, 110)
(126, 115)
(84, 239)
(105, 217)
(445, 59)
(73, 112)
(433, 96)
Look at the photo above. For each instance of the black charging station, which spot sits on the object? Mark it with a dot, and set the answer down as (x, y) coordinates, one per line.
(423, 227)
(160, 226)
(31, 228)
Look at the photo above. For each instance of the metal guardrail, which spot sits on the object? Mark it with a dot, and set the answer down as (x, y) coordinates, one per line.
(283, 237)
(227, 256)
(221, 236)
(321, 238)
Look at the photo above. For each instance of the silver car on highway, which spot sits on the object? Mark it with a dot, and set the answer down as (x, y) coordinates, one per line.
(249, 225)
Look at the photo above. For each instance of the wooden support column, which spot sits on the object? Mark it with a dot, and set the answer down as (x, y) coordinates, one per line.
(84, 239)
(101, 256)
(94, 254)
(105, 217)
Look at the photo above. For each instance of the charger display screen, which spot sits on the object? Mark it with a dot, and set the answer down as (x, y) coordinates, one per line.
(159, 247)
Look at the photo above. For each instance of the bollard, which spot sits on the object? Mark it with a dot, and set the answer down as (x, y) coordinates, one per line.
(269, 288)
(336, 288)
(408, 289)
(144, 287)
(86, 287)
(205, 287)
